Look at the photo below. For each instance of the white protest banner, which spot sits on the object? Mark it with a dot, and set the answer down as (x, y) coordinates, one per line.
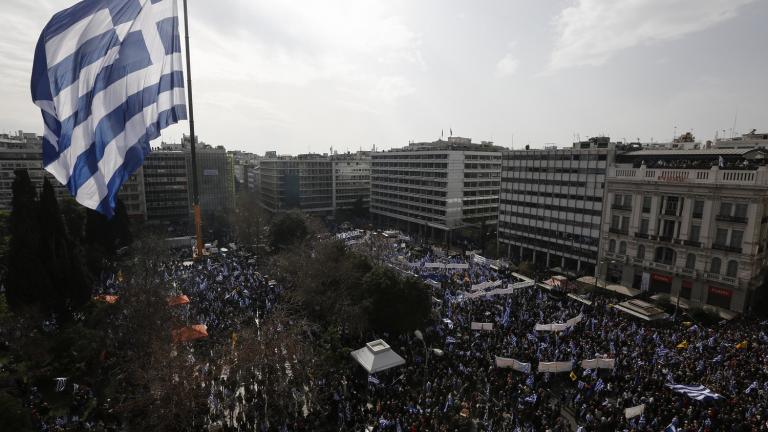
(575, 320)
(589, 364)
(481, 326)
(634, 411)
(434, 265)
(555, 367)
(503, 362)
(461, 266)
(606, 363)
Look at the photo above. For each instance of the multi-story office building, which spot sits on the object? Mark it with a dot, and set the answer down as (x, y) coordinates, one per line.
(167, 186)
(313, 183)
(437, 187)
(351, 181)
(215, 173)
(133, 197)
(303, 182)
(23, 151)
(552, 203)
(244, 166)
(690, 223)
(168, 181)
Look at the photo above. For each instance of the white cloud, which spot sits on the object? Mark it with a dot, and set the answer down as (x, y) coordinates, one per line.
(507, 66)
(591, 31)
(391, 88)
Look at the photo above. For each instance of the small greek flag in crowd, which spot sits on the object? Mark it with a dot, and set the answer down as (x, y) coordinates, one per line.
(670, 428)
(599, 386)
(373, 380)
(695, 392)
(107, 77)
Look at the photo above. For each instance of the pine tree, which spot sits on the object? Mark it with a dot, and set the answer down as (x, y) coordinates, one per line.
(70, 287)
(25, 283)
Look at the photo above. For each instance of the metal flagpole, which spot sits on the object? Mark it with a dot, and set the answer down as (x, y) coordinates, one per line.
(193, 141)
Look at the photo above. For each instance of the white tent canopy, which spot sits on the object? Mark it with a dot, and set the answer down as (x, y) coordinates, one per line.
(377, 356)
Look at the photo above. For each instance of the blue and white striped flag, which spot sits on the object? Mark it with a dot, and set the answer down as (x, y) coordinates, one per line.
(599, 386)
(698, 392)
(373, 380)
(107, 77)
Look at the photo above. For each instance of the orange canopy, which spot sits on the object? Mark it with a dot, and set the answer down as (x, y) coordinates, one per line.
(178, 300)
(111, 299)
(190, 333)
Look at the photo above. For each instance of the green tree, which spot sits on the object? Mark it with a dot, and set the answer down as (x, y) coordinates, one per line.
(396, 305)
(25, 283)
(69, 286)
(288, 229)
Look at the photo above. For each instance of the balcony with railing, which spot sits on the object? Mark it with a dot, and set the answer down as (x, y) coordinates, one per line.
(616, 230)
(726, 248)
(622, 207)
(728, 280)
(712, 176)
(729, 218)
(688, 272)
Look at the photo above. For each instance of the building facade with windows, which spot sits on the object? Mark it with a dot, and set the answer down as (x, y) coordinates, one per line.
(551, 205)
(317, 184)
(351, 181)
(435, 188)
(303, 182)
(24, 150)
(689, 223)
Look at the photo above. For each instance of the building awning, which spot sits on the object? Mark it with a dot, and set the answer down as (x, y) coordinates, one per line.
(581, 299)
(686, 304)
(641, 309)
(587, 281)
(621, 289)
(377, 356)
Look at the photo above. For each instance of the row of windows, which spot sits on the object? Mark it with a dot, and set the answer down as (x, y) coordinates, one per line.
(668, 256)
(410, 190)
(414, 182)
(482, 184)
(536, 193)
(552, 170)
(410, 173)
(520, 180)
(557, 208)
(411, 156)
(410, 165)
(426, 218)
(548, 245)
(408, 198)
(552, 156)
(571, 222)
(482, 166)
(551, 234)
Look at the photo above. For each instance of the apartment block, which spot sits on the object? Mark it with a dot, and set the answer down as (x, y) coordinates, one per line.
(552, 203)
(692, 224)
(434, 188)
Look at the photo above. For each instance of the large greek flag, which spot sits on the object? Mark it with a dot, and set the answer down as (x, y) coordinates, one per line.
(698, 392)
(108, 78)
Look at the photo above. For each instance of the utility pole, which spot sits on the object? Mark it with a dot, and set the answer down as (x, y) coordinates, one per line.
(193, 141)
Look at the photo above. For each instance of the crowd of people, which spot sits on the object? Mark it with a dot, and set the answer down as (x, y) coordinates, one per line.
(450, 381)
(464, 384)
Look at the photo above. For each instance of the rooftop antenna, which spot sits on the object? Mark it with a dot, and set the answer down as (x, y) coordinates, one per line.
(735, 117)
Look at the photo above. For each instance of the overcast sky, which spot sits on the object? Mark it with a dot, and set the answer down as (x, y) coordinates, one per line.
(298, 76)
